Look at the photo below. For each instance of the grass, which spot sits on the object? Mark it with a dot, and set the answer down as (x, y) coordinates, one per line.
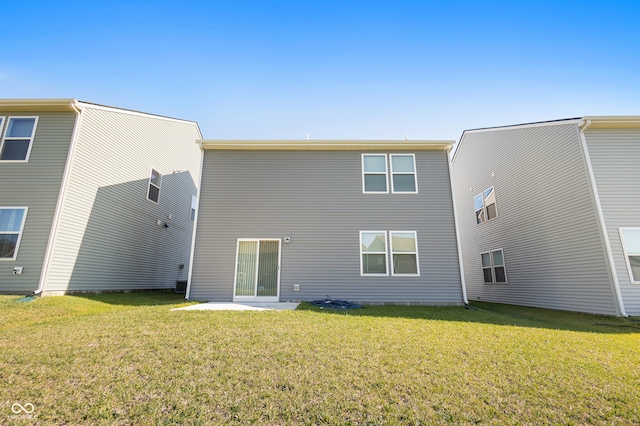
(128, 359)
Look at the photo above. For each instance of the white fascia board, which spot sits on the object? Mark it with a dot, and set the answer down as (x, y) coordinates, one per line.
(325, 145)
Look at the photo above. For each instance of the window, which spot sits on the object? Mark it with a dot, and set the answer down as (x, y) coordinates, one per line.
(403, 250)
(485, 206)
(194, 202)
(493, 269)
(373, 252)
(154, 186)
(631, 245)
(17, 138)
(403, 173)
(374, 173)
(11, 226)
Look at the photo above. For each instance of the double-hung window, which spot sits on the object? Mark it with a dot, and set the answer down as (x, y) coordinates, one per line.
(17, 138)
(194, 203)
(155, 179)
(631, 244)
(485, 205)
(11, 225)
(403, 173)
(375, 252)
(493, 269)
(376, 178)
(374, 173)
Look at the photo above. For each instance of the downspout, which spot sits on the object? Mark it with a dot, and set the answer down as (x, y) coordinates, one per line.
(601, 222)
(455, 224)
(195, 224)
(61, 193)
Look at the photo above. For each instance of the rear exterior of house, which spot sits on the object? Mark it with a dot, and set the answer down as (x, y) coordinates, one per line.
(541, 211)
(366, 221)
(102, 200)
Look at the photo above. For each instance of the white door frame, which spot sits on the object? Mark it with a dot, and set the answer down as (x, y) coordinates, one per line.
(255, 297)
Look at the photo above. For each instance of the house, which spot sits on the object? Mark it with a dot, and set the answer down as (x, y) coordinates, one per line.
(93, 197)
(367, 221)
(549, 214)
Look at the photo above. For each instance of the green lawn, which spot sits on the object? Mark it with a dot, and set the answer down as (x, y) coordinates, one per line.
(127, 359)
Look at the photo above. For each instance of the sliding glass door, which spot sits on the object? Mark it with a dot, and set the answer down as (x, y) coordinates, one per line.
(257, 270)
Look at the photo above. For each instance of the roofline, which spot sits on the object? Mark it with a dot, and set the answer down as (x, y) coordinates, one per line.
(612, 121)
(324, 145)
(72, 105)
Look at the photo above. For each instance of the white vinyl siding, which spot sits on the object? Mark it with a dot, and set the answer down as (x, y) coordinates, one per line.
(11, 226)
(17, 138)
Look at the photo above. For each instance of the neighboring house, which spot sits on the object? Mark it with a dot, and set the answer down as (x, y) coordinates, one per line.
(549, 214)
(93, 198)
(366, 221)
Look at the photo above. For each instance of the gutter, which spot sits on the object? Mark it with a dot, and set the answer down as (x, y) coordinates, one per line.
(187, 295)
(601, 222)
(63, 186)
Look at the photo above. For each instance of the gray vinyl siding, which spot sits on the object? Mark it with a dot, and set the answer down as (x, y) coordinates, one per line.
(107, 237)
(316, 199)
(615, 159)
(35, 185)
(547, 224)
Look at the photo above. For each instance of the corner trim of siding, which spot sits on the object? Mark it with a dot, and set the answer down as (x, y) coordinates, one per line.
(455, 224)
(601, 222)
(195, 227)
(61, 197)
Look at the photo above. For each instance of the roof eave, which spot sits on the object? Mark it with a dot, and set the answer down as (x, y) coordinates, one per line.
(324, 145)
(38, 104)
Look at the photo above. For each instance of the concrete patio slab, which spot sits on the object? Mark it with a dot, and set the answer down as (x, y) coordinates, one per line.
(237, 306)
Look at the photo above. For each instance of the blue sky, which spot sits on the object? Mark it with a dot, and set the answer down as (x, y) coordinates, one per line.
(330, 69)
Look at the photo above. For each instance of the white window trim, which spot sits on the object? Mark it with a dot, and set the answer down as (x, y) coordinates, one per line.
(255, 297)
(156, 186)
(24, 220)
(415, 237)
(386, 254)
(626, 253)
(392, 173)
(386, 172)
(5, 126)
(484, 206)
(493, 268)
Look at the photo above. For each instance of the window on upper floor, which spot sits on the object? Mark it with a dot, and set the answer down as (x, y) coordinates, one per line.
(375, 173)
(17, 137)
(155, 180)
(375, 252)
(493, 268)
(631, 245)
(485, 205)
(11, 225)
(194, 203)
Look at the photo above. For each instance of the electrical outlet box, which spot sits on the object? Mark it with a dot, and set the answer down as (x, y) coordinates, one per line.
(296, 287)
(17, 270)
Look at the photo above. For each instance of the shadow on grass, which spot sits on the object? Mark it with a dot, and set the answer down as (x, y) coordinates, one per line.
(498, 314)
(135, 298)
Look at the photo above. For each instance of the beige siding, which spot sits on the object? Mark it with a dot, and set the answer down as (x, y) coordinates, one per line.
(107, 237)
(547, 223)
(615, 159)
(36, 185)
(316, 199)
